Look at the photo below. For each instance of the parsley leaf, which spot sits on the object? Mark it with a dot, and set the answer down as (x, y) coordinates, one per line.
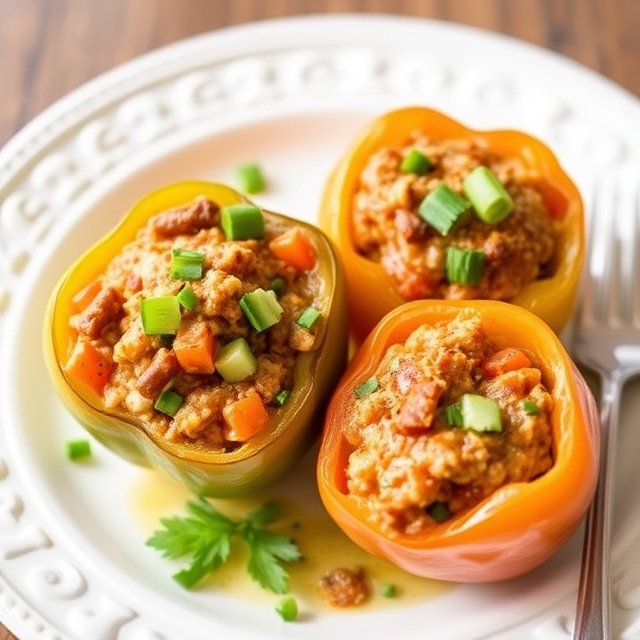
(205, 537)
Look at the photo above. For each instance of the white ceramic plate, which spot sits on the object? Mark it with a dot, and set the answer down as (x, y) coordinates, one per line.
(289, 94)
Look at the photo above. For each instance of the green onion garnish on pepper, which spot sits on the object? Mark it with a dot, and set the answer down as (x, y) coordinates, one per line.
(415, 162)
(464, 266)
(235, 361)
(242, 222)
(488, 196)
(281, 397)
(443, 209)
(480, 413)
(308, 318)
(261, 308)
(168, 402)
(453, 415)
(251, 178)
(367, 387)
(439, 511)
(187, 299)
(160, 316)
(277, 286)
(530, 407)
(186, 264)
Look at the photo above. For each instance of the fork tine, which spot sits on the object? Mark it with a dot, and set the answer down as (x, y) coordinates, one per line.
(587, 309)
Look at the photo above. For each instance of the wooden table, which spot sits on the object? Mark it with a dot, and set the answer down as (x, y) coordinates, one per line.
(50, 47)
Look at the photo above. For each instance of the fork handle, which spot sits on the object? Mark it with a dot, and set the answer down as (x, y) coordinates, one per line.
(594, 592)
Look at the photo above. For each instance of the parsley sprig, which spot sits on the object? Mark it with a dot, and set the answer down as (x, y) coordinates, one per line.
(206, 539)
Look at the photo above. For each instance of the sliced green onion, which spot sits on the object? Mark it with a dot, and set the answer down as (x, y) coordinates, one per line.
(78, 449)
(277, 286)
(480, 413)
(415, 162)
(488, 196)
(168, 402)
(188, 299)
(160, 316)
(242, 221)
(261, 308)
(530, 407)
(251, 178)
(453, 415)
(186, 264)
(308, 318)
(388, 590)
(444, 209)
(394, 365)
(281, 397)
(464, 266)
(367, 387)
(439, 511)
(288, 609)
(235, 362)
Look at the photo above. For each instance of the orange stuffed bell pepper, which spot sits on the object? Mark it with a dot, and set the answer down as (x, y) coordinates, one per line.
(461, 443)
(422, 207)
(201, 336)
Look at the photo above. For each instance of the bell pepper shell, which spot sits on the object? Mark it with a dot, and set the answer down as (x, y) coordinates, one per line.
(552, 299)
(271, 453)
(521, 524)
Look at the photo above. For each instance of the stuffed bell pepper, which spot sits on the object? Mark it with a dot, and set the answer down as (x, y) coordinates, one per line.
(203, 336)
(421, 207)
(461, 443)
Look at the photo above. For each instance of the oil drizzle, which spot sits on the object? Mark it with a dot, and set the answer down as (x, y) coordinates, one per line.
(323, 544)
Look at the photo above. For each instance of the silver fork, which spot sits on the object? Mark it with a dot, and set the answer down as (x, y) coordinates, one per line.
(607, 340)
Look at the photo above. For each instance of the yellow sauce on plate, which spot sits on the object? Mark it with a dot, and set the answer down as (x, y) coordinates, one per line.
(322, 543)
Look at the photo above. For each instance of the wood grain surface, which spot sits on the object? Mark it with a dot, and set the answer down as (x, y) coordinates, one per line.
(50, 47)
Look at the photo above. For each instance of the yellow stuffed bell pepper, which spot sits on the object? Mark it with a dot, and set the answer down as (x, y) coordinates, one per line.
(202, 336)
(381, 210)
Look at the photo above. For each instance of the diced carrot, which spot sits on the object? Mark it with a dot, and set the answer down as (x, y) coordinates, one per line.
(500, 362)
(85, 296)
(195, 348)
(134, 282)
(294, 248)
(89, 365)
(244, 418)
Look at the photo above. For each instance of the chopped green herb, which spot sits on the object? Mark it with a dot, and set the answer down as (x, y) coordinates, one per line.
(281, 397)
(367, 387)
(480, 413)
(205, 537)
(453, 415)
(288, 609)
(443, 209)
(439, 511)
(530, 407)
(242, 222)
(251, 178)
(160, 316)
(394, 365)
(186, 264)
(277, 286)
(308, 318)
(388, 590)
(261, 308)
(78, 449)
(488, 196)
(187, 299)
(235, 361)
(168, 402)
(464, 266)
(415, 162)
